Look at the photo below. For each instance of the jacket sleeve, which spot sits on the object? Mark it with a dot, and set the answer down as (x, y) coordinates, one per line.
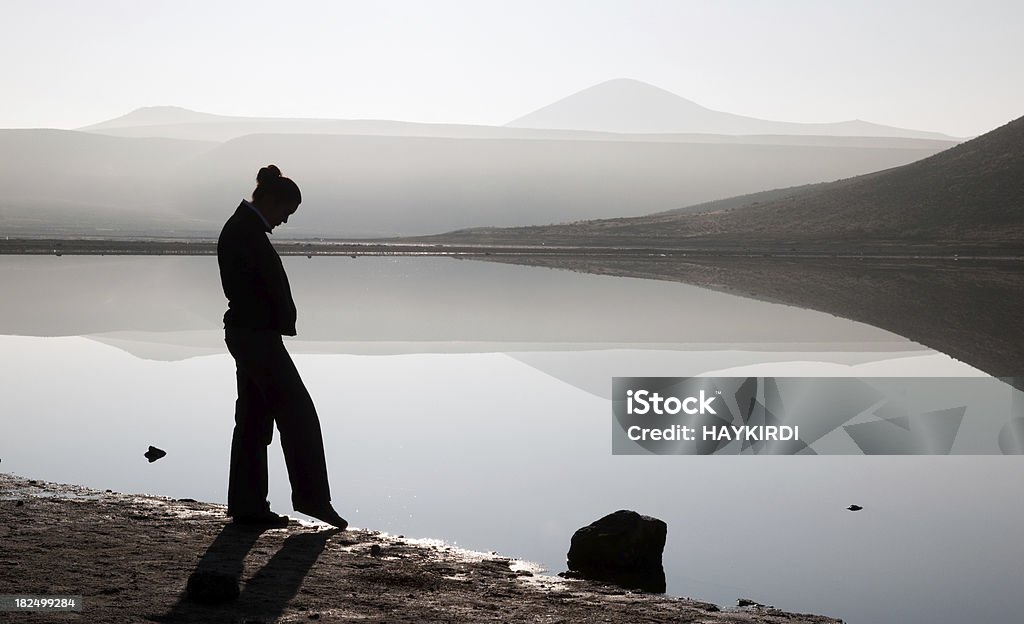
(256, 285)
(279, 294)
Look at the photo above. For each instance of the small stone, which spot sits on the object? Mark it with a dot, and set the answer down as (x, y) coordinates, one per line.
(376, 550)
(154, 454)
(19, 504)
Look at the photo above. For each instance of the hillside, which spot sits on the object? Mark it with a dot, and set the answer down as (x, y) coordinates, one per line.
(971, 193)
(174, 122)
(63, 183)
(157, 115)
(624, 105)
(66, 183)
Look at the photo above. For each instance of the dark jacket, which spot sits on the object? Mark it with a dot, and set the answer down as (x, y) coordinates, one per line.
(253, 277)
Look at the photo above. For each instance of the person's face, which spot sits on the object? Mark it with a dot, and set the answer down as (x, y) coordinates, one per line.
(280, 212)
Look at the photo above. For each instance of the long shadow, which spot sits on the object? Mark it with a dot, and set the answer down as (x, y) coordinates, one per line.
(270, 590)
(267, 594)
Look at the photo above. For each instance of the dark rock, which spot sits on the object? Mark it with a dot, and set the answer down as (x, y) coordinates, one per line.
(623, 548)
(154, 454)
(747, 602)
(855, 508)
(187, 500)
(376, 550)
(207, 587)
(19, 503)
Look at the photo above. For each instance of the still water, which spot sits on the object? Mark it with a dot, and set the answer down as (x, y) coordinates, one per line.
(470, 401)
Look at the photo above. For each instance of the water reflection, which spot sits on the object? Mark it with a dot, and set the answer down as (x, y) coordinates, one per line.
(500, 440)
(967, 308)
(438, 304)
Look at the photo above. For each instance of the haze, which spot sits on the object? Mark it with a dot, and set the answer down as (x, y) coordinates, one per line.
(942, 67)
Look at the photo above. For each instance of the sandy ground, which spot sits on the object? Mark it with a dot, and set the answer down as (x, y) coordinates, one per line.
(130, 557)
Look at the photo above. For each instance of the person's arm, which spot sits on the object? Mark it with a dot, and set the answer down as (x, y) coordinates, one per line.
(254, 281)
(268, 267)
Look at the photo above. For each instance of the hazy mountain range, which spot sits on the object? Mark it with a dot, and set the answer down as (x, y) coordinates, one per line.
(601, 112)
(970, 194)
(625, 105)
(169, 171)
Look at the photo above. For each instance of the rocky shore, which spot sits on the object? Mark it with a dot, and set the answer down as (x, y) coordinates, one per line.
(130, 557)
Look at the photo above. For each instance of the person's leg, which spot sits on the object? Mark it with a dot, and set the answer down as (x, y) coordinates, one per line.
(264, 360)
(253, 433)
(301, 439)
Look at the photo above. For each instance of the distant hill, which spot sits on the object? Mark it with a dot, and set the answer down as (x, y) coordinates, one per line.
(739, 201)
(59, 182)
(624, 105)
(63, 183)
(174, 122)
(972, 193)
(157, 115)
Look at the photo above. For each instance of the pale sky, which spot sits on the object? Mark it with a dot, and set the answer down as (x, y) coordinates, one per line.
(951, 67)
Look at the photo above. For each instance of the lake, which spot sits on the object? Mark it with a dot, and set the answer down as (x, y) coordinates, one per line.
(471, 402)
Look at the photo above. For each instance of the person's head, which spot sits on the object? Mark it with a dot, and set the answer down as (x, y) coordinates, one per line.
(276, 196)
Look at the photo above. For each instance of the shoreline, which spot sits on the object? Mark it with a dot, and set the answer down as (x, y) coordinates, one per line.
(1002, 252)
(130, 556)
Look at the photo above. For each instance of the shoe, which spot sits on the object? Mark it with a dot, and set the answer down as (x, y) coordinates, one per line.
(261, 519)
(324, 513)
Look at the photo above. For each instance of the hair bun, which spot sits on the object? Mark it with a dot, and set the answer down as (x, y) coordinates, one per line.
(267, 173)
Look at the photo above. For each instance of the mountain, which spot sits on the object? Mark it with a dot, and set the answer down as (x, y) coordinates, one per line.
(156, 116)
(66, 182)
(174, 122)
(631, 106)
(970, 194)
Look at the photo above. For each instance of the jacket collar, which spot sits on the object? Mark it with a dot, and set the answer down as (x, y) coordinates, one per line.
(250, 212)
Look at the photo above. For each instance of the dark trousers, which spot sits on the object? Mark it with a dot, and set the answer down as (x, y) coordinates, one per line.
(270, 390)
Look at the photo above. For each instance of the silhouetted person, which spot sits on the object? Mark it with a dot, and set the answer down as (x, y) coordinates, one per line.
(260, 311)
